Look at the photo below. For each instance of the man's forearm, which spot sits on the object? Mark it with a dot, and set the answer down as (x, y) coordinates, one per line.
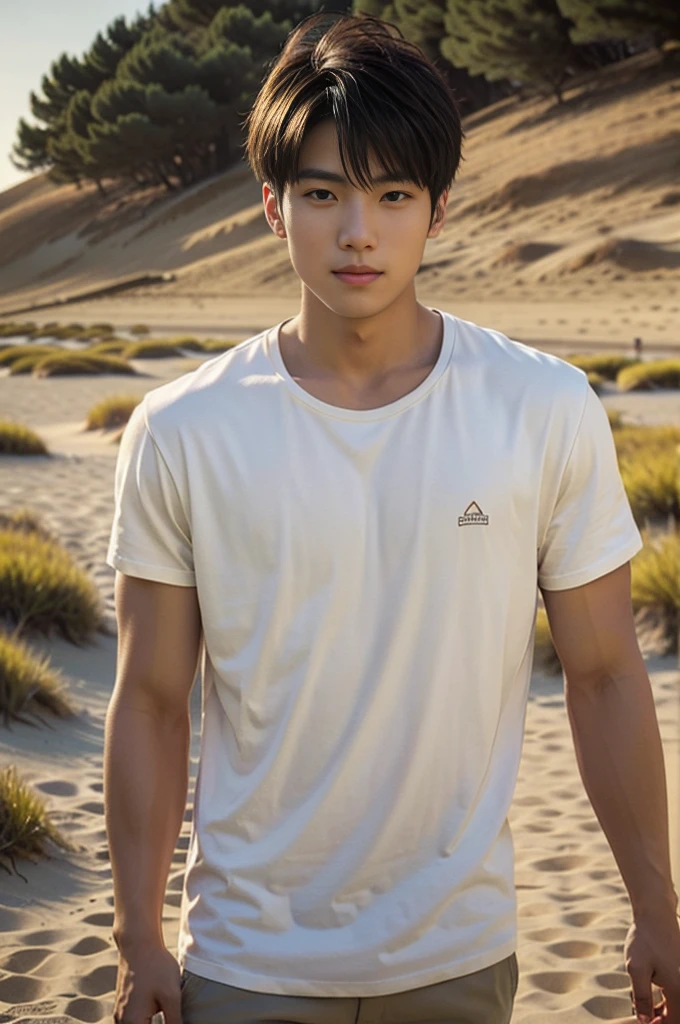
(146, 757)
(620, 757)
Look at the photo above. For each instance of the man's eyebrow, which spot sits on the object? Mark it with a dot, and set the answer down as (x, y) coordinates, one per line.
(322, 175)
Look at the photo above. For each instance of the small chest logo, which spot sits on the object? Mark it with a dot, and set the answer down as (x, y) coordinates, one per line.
(473, 516)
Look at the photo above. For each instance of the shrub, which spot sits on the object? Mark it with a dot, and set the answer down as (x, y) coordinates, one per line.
(545, 655)
(218, 344)
(17, 329)
(664, 373)
(114, 411)
(655, 583)
(606, 364)
(642, 442)
(24, 823)
(14, 352)
(111, 347)
(153, 349)
(25, 520)
(139, 329)
(45, 330)
(653, 485)
(42, 589)
(67, 363)
(28, 683)
(16, 439)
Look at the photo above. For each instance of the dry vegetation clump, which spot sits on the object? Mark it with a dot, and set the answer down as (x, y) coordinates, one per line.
(139, 330)
(25, 826)
(25, 520)
(16, 439)
(607, 365)
(112, 347)
(649, 461)
(17, 329)
(72, 332)
(13, 353)
(114, 411)
(652, 485)
(158, 349)
(68, 363)
(655, 583)
(43, 590)
(663, 373)
(29, 684)
(218, 344)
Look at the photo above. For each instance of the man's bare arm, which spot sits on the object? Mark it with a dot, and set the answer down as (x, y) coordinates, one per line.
(146, 752)
(616, 734)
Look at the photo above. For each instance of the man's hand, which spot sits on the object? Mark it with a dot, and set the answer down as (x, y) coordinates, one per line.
(652, 954)
(148, 982)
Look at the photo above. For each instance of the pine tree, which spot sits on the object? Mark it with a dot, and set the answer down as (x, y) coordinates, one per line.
(522, 40)
(598, 20)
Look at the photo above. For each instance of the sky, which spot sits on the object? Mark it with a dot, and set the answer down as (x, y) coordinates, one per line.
(34, 33)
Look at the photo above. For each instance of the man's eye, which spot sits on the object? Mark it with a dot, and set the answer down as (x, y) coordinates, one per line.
(328, 193)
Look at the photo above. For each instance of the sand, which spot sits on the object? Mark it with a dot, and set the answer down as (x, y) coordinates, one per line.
(58, 961)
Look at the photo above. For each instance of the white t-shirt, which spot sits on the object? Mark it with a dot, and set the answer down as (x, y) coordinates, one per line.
(367, 581)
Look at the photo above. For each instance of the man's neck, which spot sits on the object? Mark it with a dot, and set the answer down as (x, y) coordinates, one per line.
(358, 354)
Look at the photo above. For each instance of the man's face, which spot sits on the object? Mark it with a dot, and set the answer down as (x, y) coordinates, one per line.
(330, 224)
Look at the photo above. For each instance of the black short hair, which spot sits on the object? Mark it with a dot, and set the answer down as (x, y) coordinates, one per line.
(381, 90)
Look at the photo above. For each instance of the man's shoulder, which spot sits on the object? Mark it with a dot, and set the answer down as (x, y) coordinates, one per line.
(195, 395)
(513, 365)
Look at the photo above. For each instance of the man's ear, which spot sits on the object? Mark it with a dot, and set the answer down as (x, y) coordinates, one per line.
(272, 211)
(439, 215)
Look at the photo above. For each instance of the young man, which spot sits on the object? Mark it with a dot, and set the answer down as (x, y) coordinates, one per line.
(352, 510)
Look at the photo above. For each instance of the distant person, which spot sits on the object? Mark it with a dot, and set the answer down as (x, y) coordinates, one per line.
(637, 346)
(345, 517)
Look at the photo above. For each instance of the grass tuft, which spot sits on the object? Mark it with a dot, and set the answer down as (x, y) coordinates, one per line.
(43, 590)
(25, 826)
(114, 411)
(16, 439)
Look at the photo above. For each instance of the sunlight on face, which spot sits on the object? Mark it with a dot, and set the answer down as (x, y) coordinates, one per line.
(331, 223)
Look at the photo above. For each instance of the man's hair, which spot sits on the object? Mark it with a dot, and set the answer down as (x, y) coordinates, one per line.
(382, 92)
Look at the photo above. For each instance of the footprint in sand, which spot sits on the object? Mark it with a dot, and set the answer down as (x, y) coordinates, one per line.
(99, 981)
(20, 989)
(608, 1007)
(38, 938)
(557, 982)
(57, 787)
(89, 1010)
(103, 920)
(92, 806)
(88, 945)
(613, 979)
(581, 918)
(23, 961)
(574, 949)
(568, 862)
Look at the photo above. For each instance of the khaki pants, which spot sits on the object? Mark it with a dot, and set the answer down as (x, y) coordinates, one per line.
(484, 997)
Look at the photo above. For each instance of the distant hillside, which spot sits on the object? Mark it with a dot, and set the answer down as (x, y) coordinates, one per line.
(586, 193)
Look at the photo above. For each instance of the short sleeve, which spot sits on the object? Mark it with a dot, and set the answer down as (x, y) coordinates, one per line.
(591, 530)
(150, 535)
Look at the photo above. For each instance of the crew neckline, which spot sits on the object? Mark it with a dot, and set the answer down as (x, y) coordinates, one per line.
(380, 412)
